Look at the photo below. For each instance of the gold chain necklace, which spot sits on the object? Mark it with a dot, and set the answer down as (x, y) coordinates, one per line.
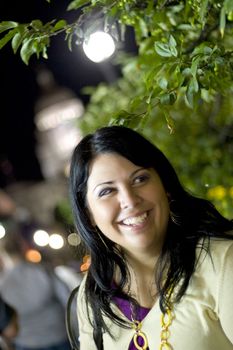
(165, 320)
(137, 325)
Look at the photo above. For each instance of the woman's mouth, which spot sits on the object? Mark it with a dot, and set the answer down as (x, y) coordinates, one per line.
(135, 220)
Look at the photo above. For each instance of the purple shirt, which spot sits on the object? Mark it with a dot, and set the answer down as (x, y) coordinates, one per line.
(124, 306)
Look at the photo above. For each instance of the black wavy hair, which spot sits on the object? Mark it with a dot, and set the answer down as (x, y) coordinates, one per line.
(191, 218)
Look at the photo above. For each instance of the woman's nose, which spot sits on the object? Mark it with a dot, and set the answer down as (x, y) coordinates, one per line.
(129, 198)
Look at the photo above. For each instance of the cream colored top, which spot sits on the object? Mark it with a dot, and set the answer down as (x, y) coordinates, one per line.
(203, 318)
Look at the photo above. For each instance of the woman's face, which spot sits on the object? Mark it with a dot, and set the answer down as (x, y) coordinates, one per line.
(128, 203)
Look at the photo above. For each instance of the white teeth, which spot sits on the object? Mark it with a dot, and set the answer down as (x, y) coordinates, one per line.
(135, 220)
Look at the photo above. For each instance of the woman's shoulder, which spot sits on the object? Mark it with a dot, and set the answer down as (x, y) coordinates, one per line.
(214, 253)
(220, 247)
(213, 271)
(81, 290)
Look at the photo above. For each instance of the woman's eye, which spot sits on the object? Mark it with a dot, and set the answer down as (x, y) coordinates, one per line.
(141, 178)
(105, 192)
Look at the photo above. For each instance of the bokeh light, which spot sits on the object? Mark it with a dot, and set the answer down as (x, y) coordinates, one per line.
(2, 231)
(41, 238)
(99, 46)
(56, 241)
(74, 239)
(33, 256)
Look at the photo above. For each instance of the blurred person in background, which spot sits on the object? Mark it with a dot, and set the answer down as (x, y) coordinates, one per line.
(8, 324)
(29, 289)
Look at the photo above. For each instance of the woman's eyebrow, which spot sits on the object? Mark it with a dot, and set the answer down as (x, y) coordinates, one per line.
(136, 171)
(112, 182)
(103, 183)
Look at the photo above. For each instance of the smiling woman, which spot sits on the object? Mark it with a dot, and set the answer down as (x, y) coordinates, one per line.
(127, 203)
(161, 259)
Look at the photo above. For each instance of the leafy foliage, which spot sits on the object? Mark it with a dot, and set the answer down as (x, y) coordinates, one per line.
(33, 38)
(200, 146)
(177, 89)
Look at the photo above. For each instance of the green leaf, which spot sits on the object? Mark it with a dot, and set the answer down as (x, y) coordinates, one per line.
(17, 40)
(7, 37)
(148, 100)
(165, 99)
(143, 28)
(44, 52)
(168, 99)
(192, 88)
(123, 117)
(69, 40)
(194, 66)
(202, 49)
(166, 50)
(5, 25)
(74, 5)
(222, 23)
(27, 50)
(173, 51)
(203, 10)
(186, 72)
(36, 24)
(170, 121)
(60, 25)
(185, 27)
(172, 45)
(172, 41)
(163, 49)
(163, 83)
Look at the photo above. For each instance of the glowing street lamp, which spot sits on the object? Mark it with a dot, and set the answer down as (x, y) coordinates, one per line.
(99, 46)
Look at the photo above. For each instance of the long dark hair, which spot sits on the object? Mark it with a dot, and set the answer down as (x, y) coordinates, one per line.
(191, 218)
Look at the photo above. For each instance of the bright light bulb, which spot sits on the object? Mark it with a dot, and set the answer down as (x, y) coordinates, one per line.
(41, 238)
(56, 241)
(99, 46)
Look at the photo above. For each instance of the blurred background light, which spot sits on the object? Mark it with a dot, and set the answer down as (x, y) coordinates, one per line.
(74, 239)
(99, 46)
(41, 238)
(2, 231)
(56, 241)
(33, 256)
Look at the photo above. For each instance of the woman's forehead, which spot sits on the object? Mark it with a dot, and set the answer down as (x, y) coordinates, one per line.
(109, 166)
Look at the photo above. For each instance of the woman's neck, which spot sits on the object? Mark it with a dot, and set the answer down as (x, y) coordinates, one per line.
(142, 278)
(143, 263)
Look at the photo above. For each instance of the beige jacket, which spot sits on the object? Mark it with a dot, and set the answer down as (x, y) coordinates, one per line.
(203, 318)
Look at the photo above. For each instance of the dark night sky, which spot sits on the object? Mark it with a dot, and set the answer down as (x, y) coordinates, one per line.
(19, 89)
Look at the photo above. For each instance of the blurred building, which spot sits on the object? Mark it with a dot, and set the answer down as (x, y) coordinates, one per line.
(56, 113)
(34, 203)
